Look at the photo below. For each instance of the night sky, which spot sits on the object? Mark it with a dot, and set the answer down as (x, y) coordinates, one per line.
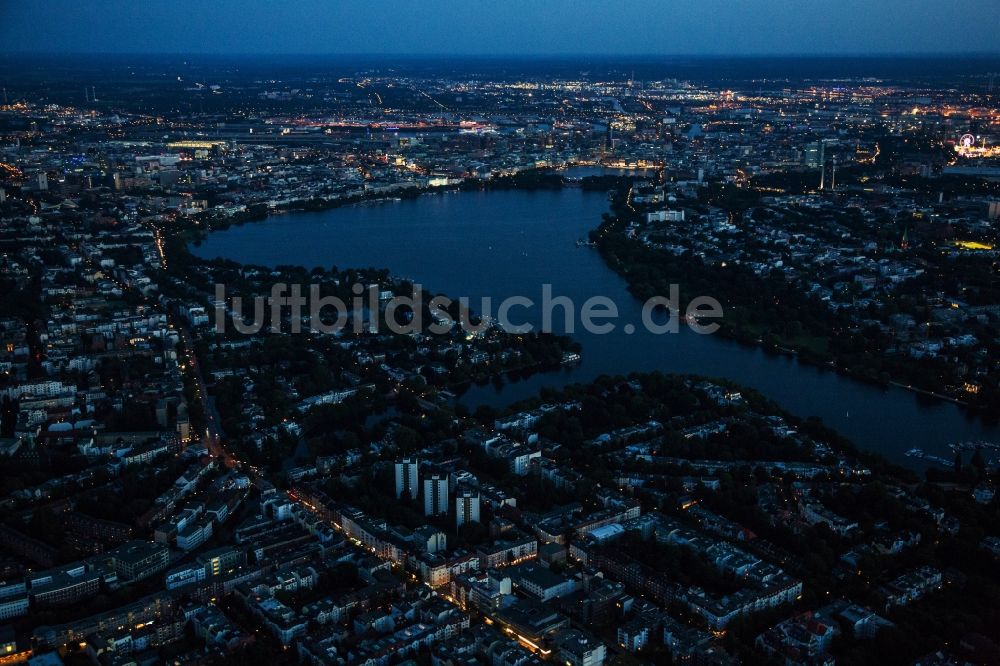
(559, 27)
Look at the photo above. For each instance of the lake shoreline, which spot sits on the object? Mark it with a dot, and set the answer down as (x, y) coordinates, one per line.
(454, 245)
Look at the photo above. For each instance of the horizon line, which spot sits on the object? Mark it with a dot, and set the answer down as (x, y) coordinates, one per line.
(510, 56)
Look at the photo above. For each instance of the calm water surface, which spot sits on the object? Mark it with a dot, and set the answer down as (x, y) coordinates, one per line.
(500, 244)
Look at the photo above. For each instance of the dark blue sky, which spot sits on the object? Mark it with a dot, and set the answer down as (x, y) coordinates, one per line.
(704, 27)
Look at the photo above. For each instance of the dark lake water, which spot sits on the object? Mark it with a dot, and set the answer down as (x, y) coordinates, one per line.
(500, 244)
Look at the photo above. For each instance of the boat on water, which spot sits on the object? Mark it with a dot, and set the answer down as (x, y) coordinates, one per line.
(570, 357)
